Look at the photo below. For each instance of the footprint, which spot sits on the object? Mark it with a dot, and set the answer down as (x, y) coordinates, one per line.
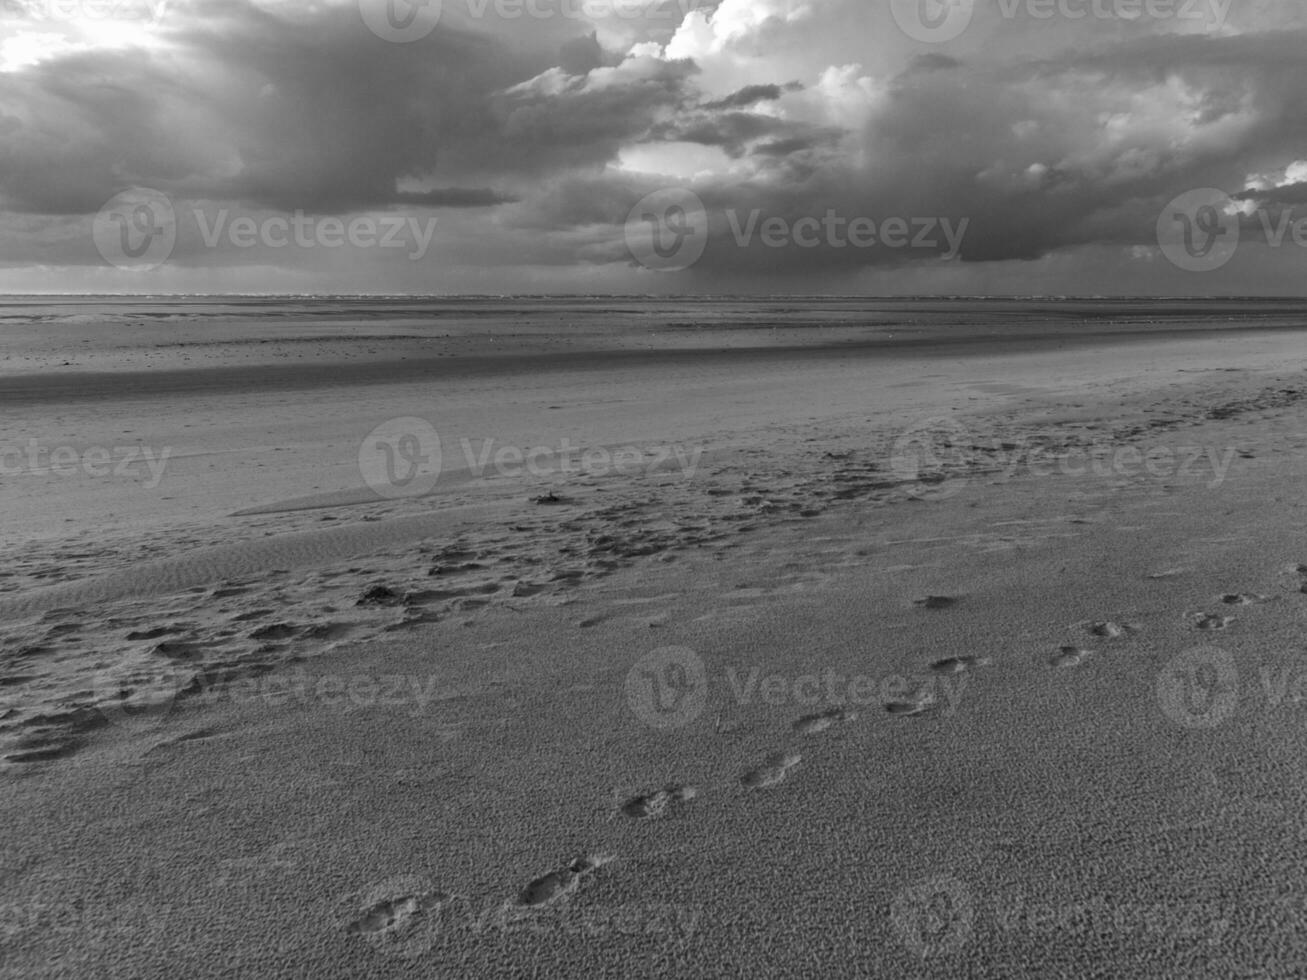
(956, 665)
(1068, 657)
(1211, 621)
(551, 499)
(1244, 599)
(772, 771)
(935, 602)
(394, 913)
(914, 704)
(1107, 630)
(154, 634)
(274, 631)
(380, 595)
(555, 884)
(656, 804)
(822, 720)
(180, 650)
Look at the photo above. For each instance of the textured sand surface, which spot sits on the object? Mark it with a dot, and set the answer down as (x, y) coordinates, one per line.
(783, 712)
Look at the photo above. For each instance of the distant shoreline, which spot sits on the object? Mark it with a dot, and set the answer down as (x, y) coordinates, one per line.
(643, 297)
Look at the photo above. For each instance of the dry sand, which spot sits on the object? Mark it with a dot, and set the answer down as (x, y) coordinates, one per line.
(772, 707)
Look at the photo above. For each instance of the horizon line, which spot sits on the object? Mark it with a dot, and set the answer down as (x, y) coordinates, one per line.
(993, 297)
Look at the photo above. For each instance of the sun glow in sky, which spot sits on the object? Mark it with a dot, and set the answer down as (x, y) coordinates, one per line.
(62, 28)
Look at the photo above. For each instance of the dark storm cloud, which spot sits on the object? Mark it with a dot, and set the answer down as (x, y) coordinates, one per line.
(731, 131)
(785, 147)
(1042, 149)
(587, 118)
(934, 61)
(453, 197)
(752, 94)
(1037, 158)
(580, 55)
(313, 113)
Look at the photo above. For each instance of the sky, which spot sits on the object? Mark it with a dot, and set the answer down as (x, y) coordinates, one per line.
(877, 147)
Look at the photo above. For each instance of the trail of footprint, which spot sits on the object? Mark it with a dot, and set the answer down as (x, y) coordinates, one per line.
(650, 806)
(1068, 657)
(772, 771)
(555, 884)
(822, 720)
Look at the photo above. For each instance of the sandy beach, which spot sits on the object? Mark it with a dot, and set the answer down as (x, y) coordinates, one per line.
(757, 647)
(652, 488)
